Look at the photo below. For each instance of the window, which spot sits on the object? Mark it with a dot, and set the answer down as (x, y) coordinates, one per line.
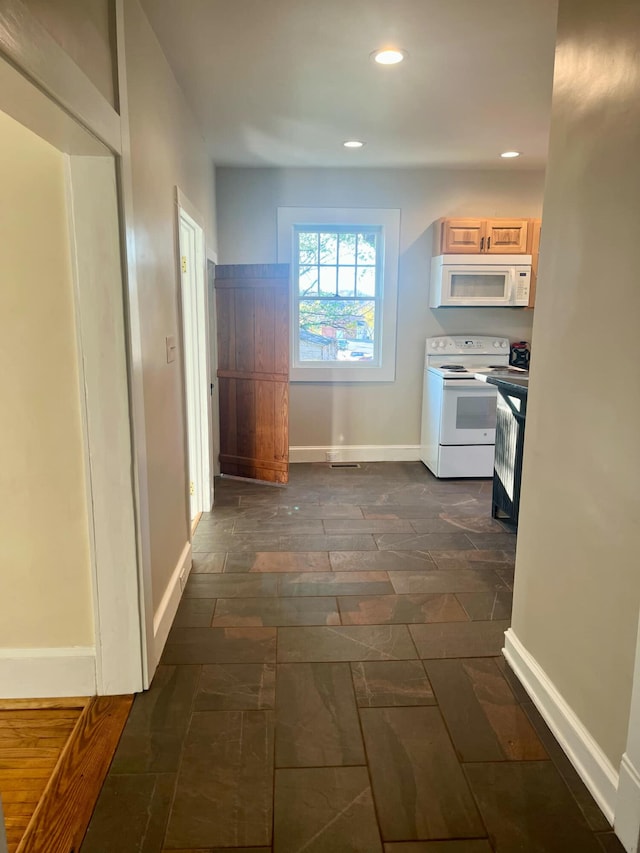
(343, 292)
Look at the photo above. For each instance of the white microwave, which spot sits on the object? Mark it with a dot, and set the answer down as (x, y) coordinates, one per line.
(480, 280)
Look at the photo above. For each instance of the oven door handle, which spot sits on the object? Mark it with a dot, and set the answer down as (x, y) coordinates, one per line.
(467, 385)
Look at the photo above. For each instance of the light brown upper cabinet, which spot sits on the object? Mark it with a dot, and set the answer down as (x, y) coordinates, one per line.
(458, 236)
(481, 236)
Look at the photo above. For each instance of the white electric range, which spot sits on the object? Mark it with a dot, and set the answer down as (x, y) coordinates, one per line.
(459, 411)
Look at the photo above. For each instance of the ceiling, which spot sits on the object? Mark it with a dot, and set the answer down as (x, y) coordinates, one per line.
(285, 82)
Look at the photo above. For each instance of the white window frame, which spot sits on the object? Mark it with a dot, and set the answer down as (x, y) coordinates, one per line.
(388, 221)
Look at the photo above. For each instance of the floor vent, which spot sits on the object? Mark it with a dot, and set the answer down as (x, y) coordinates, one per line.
(344, 465)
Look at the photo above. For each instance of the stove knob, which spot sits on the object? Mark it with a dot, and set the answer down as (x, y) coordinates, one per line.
(503, 345)
(496, 344)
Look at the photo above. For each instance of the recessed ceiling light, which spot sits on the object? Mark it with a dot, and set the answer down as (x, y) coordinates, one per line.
(389, 56)
(508, 154)
(353, 143)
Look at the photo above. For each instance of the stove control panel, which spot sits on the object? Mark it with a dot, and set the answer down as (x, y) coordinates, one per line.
(461, 345)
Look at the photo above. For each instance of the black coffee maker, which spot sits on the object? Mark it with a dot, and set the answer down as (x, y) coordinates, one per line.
(520, 355)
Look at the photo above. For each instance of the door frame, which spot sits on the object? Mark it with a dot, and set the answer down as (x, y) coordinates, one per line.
(116, 662)
(196, 363)
(627, 805)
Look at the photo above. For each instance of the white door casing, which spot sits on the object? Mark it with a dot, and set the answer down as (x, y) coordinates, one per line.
(116, 661)
(102, 359)
(197, 369)
(190, 334)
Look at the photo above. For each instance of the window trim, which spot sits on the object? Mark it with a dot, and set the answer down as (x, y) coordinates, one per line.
(388, 220)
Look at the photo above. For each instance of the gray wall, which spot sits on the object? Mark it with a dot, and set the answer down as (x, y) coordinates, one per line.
(85, 30)
(577, 588)
(167, 150)
(376, 413)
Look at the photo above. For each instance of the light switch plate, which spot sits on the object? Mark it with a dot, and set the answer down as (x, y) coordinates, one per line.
(170, 341)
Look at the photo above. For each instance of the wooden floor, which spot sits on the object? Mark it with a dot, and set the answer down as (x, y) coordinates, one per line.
(54, 755)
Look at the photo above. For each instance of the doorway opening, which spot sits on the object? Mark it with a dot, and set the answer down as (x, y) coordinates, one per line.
(75, 619)
(197, 371)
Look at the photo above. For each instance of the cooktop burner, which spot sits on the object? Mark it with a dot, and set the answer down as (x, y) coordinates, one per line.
(458, 368)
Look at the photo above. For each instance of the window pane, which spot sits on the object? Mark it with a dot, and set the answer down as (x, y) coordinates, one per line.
(367, 248)
(346, 281)
(328, 248)
(347, 248)
(308, 281)
(337, 330)
(307, 247)
(327, 281)
(366, 281)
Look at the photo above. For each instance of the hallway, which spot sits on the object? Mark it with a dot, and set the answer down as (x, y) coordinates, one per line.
(334, 682)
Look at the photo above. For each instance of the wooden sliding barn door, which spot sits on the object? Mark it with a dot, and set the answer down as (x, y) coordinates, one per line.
(253, 370)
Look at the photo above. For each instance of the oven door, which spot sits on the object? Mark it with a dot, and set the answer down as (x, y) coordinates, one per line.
(468, 413)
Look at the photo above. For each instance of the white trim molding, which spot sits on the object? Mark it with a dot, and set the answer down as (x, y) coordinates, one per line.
(104, 395)
(196, 356)
(593, 766)
(627, 818)
(37, 54)
(55, 672)
(135, 362)
(166, 612)
(356, 453)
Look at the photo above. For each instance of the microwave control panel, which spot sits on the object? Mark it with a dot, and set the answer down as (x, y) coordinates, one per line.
(522, 285)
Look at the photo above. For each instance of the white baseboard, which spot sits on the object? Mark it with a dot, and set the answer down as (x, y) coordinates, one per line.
(166, 612)
(44, 673)
(627, 819)
(356, 453)
(593, 766)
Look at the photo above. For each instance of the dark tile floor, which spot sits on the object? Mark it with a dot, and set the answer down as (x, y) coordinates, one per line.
(333, 682)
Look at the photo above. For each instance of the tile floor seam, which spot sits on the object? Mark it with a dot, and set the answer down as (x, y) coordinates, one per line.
(453, 745)
(181, 756)
(366, 755)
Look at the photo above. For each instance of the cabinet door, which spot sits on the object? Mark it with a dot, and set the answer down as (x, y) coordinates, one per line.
(462, 236)
(507, 236)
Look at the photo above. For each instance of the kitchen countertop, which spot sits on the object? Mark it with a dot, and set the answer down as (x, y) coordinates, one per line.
(516, 382)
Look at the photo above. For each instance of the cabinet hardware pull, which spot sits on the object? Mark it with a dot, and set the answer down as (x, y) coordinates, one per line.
(481, 244)
(488, 243)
